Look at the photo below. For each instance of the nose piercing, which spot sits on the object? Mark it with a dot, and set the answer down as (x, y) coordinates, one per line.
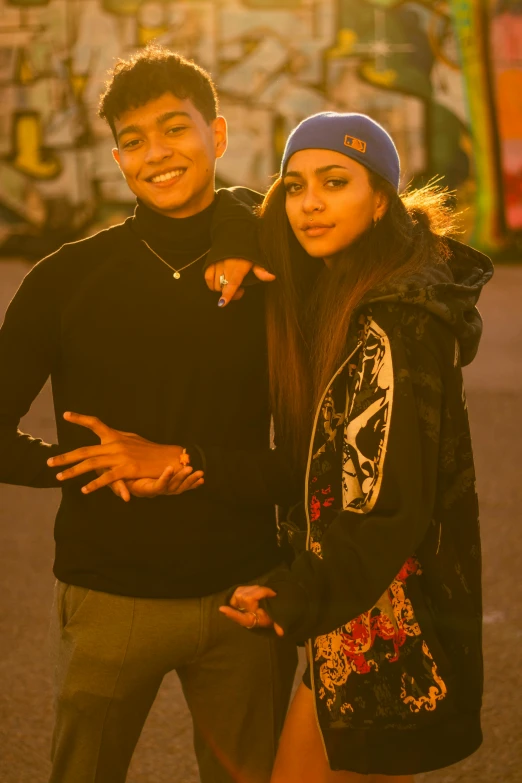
(316, 209)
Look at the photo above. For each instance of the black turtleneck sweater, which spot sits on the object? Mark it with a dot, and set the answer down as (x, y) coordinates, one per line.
(124, 341)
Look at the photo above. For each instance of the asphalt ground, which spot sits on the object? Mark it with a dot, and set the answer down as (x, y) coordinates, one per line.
(164, 753)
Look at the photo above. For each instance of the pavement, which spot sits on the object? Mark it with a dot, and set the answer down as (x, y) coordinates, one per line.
(164, 753)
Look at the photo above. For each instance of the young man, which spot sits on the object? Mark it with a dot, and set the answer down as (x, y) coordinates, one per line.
(126, 327)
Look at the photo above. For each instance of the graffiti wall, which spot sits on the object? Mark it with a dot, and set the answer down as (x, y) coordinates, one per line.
(440, 76)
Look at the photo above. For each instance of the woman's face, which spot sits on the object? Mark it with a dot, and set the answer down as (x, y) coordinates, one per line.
(329, 201)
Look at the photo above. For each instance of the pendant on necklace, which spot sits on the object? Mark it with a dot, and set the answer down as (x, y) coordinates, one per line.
(176, 275)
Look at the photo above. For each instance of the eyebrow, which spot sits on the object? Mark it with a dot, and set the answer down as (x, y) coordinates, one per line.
(169, 115)
(320, 170)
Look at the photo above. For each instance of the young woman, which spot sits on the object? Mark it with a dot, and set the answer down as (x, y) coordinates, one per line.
(387, 593)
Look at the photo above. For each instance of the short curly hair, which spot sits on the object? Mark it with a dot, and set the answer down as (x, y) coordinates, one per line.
(149, 73)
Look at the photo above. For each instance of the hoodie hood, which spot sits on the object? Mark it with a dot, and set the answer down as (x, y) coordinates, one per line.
(449, 290)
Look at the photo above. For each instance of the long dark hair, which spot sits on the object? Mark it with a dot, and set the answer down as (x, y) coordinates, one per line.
(302, 360)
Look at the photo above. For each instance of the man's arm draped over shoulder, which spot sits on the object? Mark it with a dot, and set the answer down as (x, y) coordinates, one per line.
(265, 475)
(235, 227)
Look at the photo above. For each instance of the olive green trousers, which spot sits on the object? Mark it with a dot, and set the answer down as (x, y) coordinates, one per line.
(112, 653)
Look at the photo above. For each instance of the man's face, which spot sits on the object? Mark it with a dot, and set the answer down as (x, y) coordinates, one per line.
(167, 153)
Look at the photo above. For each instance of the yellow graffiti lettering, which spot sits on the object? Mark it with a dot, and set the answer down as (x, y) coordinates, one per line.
(381, 78)
(345, 43)
(28, 156)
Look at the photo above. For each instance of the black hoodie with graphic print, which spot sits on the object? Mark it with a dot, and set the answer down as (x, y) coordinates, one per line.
(388, 590)
(387, 593)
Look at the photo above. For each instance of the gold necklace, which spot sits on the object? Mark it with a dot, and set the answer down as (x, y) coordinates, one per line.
(176, 274)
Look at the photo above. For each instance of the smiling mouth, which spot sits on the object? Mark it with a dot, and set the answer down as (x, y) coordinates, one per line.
(166, 176)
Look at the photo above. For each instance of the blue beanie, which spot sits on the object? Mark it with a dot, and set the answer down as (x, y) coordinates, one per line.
(354, 135)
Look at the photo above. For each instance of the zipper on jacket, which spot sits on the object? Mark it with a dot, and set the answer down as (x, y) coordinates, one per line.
(309, 531)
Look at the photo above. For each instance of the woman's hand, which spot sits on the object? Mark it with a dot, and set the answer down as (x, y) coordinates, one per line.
(169, 483)
(120, 455)
(244, 608)
(119, 488)
(235, 270)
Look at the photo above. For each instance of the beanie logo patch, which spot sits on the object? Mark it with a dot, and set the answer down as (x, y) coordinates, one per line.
(355, 144)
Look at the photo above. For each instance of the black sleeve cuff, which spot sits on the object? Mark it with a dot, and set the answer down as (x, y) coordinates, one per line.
(290, 607)
(302, 592)
(235, 238)
(234, 232)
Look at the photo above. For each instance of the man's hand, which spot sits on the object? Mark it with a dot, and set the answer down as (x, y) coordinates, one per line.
(120, 455)
(244, 608)
(235, 270)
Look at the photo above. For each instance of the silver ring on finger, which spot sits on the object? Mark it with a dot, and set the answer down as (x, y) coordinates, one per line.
(223, 281)
(249, 627)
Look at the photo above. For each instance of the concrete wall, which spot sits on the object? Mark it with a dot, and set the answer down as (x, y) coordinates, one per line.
(445, 78)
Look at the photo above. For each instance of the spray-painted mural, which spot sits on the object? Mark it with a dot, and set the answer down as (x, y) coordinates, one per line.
(445, 78)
